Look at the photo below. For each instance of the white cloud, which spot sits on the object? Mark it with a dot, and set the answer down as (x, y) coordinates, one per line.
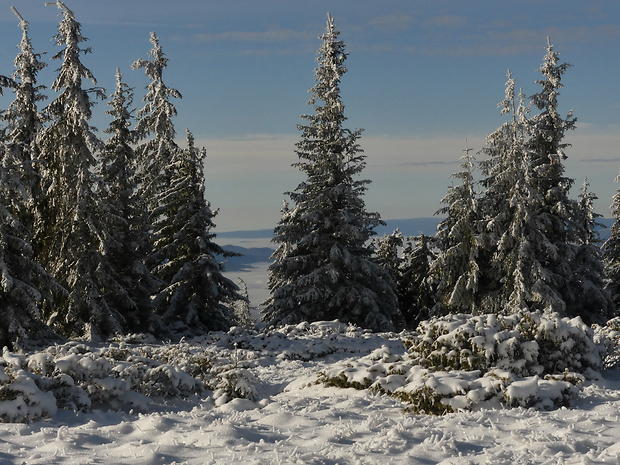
(248, 176)
(270, 35)
(392, 23)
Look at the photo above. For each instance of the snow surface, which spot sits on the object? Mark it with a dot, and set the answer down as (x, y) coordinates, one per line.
(290, 419)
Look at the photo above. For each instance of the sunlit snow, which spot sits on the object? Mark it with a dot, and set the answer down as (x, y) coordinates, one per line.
(287, 418)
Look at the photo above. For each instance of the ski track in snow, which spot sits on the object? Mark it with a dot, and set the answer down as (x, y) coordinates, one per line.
(295, 421)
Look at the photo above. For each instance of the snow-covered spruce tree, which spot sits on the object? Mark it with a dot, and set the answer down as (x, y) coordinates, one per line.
(415, 290)
(72, 234)
(611, 252)
(588, 263)
(514, 241)
(155, 155)
(556, 210)
(408, 262)
(323, 268)
(197, 294)
(130, 243)
(24, 121)
(23, 282)
(388, 252)
(455, 270)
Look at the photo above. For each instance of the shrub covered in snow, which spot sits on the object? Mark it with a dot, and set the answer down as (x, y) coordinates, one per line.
(79, 377)
(426, 391)
(454, 363)
(20, 397)
(608, 336)
(525, 343)
(460, 362)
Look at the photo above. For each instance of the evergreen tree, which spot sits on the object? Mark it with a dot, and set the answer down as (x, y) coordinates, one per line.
(73, 232)
(416, 294)
(129, 244)
(589, 277)
(408, 262)
(586, 219)
(154, 157)
(23, 282)
(556, 210)
(323, 268)
(198, 295)
(455, 271)
(611, 252)
(388, 253)
(515, 243)
(25, 122)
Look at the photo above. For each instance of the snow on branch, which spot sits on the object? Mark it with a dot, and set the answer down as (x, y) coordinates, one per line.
(22, 22)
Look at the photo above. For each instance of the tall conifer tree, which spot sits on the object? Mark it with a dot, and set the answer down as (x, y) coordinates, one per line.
(325, 271)
(512, 227)
(611, 252)
(155, 127)
(73, 233)
(129, 244)
(198, 295)
(24, 284)
(455, 271)
(557, 211)
(589, 281)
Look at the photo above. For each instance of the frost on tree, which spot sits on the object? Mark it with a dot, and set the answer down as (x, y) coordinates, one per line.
(514, 243)
(197, 294)
(24, 121)
(155, 154)
(23, 282)
(589, 269)
(556, 211)
(129, 244)
(73, 233)
(530, 229)
(455, 271)
(323, 267)
(611, 252)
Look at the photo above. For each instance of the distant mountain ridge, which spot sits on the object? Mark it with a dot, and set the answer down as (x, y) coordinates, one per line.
(408, 227)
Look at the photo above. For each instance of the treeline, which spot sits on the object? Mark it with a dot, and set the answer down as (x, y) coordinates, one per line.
(105, 237)
(511, 240)
(102, 237)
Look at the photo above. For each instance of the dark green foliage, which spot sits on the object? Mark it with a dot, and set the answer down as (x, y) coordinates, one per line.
(24, 282)
(197, 294)
(73, 233)
(455, 271)
(323, 268)
(129, 245)
(611, 253)
(408, 261)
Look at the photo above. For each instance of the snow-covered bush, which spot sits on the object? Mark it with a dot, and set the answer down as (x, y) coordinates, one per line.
(459, 362)
(608, 336)
(21, 400)
(425, 391)
(525, 343)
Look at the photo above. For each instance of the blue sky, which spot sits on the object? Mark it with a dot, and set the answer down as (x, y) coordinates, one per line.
(423, 78)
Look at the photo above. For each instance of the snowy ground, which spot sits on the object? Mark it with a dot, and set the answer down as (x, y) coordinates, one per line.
(292, 420)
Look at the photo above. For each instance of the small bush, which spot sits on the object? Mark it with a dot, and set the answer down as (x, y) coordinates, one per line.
(526, 343)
